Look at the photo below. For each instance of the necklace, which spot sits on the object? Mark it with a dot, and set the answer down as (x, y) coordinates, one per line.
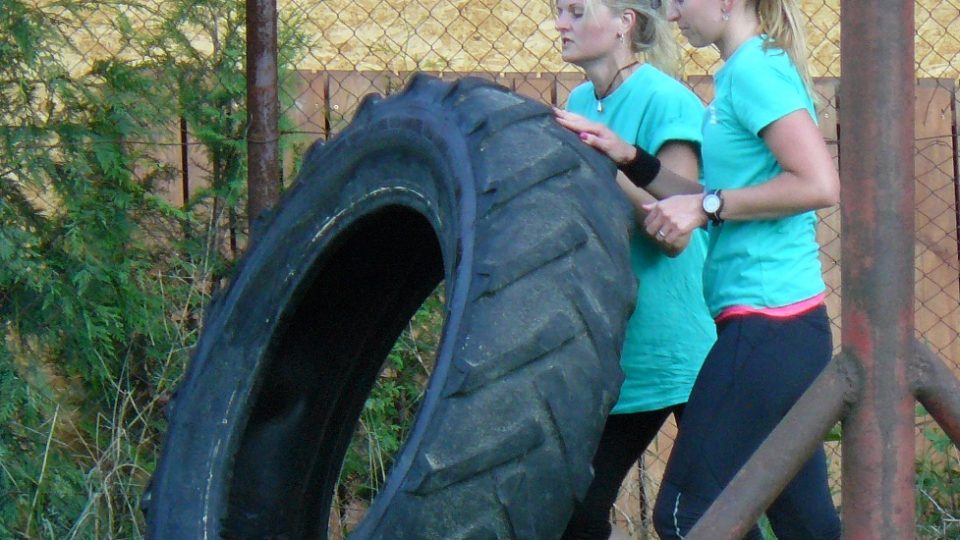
(606, 92)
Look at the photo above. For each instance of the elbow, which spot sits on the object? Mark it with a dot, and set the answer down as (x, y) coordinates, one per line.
(830, 195)
(832, 198)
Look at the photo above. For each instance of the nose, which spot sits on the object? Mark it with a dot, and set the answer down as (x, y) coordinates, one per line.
(561, 23)
(673, 11)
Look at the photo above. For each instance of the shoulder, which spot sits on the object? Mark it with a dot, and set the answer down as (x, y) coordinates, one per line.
(764, 86)
(664, 88)
(583, 89)
(756, 64)
(582, 93)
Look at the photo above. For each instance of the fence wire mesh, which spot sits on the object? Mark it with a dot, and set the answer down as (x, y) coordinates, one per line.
(333, 52)
(372, 46)
(937, 50)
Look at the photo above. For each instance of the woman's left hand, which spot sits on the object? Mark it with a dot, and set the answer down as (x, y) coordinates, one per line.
(597, 135)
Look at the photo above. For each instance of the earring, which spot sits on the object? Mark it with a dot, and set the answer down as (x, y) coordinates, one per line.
(620, 37)
(724, 14)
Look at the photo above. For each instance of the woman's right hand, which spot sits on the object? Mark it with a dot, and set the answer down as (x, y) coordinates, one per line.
(598, 136)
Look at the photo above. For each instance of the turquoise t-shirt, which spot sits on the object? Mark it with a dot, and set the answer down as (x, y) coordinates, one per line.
(670, 332)
(761, 263)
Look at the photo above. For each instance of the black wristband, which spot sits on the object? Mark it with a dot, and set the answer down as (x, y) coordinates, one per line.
(642, 169)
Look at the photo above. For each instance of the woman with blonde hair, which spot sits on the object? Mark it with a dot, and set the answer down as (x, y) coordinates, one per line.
(766, 170)
(629, 54)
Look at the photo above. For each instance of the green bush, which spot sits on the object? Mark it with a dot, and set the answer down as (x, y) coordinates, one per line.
(103, 282)
(388, 414)
(938, 487)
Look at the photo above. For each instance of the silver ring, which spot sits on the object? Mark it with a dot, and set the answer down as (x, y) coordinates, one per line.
(660, 234)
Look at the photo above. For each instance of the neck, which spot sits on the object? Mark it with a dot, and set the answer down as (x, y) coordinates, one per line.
(735, 35)
(609, 72)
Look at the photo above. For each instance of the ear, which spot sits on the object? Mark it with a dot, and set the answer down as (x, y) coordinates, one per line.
(628, 20)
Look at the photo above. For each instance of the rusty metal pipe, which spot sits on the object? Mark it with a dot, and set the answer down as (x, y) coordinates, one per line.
(937, 389)
(263, 108)
(877, 234)
(184, 162)
(781, 455)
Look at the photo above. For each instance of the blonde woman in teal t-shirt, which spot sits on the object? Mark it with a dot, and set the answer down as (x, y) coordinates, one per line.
(766, 171)
(670, 332)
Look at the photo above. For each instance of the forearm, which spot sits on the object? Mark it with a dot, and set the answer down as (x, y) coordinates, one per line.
(655, 175)
(668, 183)
(645, 171)
(808, 182)
(637, 196)
(784, 195)
(640, 198)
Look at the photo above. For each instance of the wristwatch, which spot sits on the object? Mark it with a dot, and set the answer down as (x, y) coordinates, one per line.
(713, 204)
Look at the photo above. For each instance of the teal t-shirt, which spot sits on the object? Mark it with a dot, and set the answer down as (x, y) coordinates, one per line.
(761, 263)
(670, 332)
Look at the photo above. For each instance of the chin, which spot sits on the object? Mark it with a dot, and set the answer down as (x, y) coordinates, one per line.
(698, 42)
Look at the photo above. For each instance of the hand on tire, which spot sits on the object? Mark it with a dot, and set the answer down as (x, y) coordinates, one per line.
(597, 135)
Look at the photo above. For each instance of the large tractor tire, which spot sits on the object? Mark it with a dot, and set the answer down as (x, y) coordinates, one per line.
(464, 182)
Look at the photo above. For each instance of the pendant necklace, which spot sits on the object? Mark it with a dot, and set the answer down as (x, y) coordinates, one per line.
(613, 80)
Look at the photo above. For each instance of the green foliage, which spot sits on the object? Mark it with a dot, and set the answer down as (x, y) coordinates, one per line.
(87, 335)
(938, 487)
(389, 411)
(211, 88)
(102, 282)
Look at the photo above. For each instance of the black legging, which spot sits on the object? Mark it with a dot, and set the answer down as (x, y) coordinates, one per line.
(624, 439)
(755, 372)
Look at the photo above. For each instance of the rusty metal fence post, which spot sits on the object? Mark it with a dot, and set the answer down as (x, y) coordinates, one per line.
(877, 104)
(263, 108)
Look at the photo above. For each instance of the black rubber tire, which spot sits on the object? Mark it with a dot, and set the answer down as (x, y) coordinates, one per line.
(460, 181)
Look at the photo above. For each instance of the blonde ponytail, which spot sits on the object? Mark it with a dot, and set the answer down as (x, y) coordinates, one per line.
(782, 22)
(651, 37)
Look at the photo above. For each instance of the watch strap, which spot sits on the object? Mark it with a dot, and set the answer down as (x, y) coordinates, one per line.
(715, 215)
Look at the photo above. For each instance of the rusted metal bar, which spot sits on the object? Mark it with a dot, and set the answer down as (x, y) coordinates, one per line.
(937, 388)
(781, 455)
(263, 108)
(877, 234)
(956, 170)
(184, 162)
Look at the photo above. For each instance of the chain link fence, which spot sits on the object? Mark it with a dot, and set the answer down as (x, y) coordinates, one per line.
(936, 251)
(333, 52)
(373, 46)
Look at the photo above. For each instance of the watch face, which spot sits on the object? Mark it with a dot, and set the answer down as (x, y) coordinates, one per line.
(711, 203)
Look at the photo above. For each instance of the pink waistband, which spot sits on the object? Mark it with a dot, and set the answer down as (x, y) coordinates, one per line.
(782, 312)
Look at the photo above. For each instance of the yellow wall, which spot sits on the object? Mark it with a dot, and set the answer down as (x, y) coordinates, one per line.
(490, 35)
(518, 35)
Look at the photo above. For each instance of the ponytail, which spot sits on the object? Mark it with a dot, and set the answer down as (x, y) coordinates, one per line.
(782, 22)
